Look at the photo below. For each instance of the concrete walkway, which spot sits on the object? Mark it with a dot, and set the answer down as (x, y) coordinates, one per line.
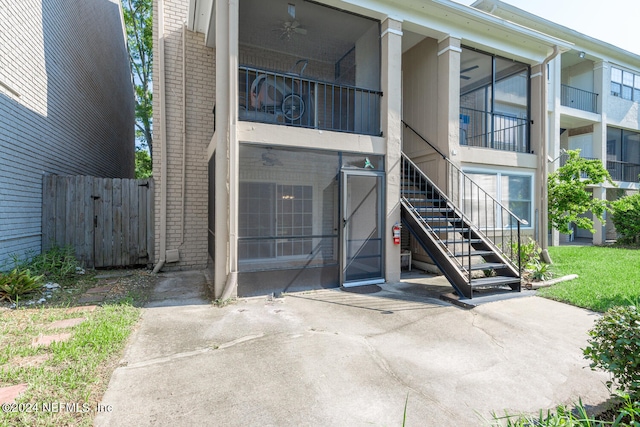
(345, 358)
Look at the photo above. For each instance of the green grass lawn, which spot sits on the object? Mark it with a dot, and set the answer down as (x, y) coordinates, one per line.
(608, 276)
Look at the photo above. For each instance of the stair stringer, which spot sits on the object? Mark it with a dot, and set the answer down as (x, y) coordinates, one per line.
(435, 250)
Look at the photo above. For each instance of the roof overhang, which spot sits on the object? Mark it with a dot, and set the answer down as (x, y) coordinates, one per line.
(433, 18)
(201, 19)
(597, 49)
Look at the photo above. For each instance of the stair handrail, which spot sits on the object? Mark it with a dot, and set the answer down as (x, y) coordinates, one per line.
(460, 172)
(453, 206)
(520, 222)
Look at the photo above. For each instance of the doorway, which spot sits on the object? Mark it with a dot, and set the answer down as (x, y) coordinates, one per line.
(362, 231)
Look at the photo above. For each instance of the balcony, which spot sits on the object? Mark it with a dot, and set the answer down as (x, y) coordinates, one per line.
(493, 130)
(579, 99)
(293, 100)
(623, 171)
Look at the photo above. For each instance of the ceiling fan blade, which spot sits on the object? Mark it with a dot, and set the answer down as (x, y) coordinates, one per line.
(469, 69)
(300, 30)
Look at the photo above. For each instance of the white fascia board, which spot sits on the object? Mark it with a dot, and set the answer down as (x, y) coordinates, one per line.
(497, 22)
(200, 15)
(210, 33)
(473, 26)
(191, 20)
(593, 46)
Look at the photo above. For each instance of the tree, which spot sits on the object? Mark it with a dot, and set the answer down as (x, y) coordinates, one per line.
(626, 218)
(138, 21)
(144, 168)
(568, 195)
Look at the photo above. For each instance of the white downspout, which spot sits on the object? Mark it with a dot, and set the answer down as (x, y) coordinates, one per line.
(163, 134)
(184, 128)
(544, 203)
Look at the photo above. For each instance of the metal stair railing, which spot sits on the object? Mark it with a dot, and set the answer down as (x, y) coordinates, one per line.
(487, 216)
(431, 206)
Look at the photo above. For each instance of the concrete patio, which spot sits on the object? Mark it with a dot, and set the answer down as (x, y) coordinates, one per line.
(348, 358)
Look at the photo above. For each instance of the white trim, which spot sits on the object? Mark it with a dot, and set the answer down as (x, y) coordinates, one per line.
(392, 31)
(448, 48)
(6, 86)
(362, 283)
(498, 172)
(539, 74)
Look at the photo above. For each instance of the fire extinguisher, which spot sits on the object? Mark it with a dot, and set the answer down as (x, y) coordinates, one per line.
(396, 233)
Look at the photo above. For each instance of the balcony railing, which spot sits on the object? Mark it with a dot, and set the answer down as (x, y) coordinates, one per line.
(292, 100)
(623, 171)
(493, 130)
(564, 157)
(578, 98)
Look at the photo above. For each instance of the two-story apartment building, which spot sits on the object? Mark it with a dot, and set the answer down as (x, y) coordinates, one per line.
(293, 136)
(594, 93)
(66, 106)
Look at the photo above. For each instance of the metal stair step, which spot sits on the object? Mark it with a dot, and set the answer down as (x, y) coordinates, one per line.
(494, 281)
(488, 266)
(457, 242)
(439, 229)
(442, 218)
(473, 253)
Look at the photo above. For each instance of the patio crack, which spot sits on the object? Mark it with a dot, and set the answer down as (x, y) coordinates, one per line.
(384, 365)
(491, 337)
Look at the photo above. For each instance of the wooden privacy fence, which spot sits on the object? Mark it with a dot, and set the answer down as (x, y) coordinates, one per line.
(109, 221)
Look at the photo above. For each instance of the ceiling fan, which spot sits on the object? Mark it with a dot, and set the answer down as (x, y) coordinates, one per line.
(292, 26)
(467, 70)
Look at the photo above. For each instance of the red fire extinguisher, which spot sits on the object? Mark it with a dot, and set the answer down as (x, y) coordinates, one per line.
(396, 233)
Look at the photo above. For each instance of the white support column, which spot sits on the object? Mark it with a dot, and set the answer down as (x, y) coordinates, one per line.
(391, 124)
(226, 161)
(448, 127)
(601, 83)
(553, 126)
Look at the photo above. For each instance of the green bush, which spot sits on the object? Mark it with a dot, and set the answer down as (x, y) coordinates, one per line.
(17, 283)
(626, 413)
(55, 264)
(626, 218)
(614, 346)
(529, 252)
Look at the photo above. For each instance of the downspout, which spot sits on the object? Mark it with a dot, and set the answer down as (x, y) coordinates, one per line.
(184, 128)
(544, 203)
(231, 285)
(163, 133)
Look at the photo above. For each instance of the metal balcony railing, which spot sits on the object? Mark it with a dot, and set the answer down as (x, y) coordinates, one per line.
(292, 100)
(623, 171)
(578, 98)
(564, 157)
(493, 130)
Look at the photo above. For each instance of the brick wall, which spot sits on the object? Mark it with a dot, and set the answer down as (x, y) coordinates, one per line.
(66, 105)
(200, 99)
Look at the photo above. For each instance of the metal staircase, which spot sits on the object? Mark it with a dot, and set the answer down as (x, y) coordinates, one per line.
(472, 242)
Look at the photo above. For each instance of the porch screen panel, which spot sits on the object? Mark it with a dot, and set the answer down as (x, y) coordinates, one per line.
(288, 208)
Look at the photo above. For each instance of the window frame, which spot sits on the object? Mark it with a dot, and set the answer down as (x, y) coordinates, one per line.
(630, 89)
(277, 239)
(499, 173)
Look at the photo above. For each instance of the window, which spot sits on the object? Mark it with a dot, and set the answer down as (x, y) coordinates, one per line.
(616, 82)
(625, 84)
(512, 190)
(275, 218)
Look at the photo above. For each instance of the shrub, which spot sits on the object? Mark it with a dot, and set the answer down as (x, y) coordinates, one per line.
(529, 252)
(626, 218)
(56, 263)
(614, 346)
(539, 270)
(17, 283)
